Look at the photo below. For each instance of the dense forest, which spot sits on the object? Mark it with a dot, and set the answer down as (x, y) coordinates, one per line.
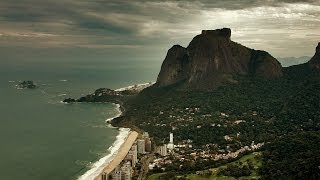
(294, 156)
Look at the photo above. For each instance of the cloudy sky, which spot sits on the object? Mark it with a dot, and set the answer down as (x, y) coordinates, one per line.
(148, 28)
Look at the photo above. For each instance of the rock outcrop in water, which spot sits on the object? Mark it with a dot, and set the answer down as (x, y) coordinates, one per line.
(212, 59)
(26, 85)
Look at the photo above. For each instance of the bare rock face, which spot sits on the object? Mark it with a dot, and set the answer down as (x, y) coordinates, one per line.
(212, 59)
(264, 65)
(175, 67)
(314, 62)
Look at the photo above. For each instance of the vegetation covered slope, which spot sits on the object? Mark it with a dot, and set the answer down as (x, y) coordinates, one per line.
(293, 156)
(296, 153)
(254, 109)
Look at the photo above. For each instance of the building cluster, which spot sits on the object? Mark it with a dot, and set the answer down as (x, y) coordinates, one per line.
(136, 87)
(235, 154)
(127, 168)
(123, 172)
(144, 144)
(186, 153)
(164, 149)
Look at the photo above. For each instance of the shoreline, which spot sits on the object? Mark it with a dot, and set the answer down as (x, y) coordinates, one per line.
(98, 166)
(108, 121)
(118, 148)
(120, 155)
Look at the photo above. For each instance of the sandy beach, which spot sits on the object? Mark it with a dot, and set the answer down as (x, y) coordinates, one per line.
(121, 154)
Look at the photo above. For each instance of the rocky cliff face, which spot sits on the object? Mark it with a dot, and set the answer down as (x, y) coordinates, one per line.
(314, 62)
(211, 59)
(175, 67)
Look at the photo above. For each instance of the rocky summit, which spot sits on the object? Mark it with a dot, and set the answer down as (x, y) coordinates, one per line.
(314, 62)
(212, 59)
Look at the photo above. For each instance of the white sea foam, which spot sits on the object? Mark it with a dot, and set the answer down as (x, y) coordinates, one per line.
(98, 166)
(63, 80)
(118, 115)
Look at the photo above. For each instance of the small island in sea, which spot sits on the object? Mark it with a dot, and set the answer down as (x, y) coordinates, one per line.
(26, 85)
(218, 109)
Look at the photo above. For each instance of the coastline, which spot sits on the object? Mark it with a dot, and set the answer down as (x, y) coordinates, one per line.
(98, 166)
(118, 106)
(123, 143)
(120, 155)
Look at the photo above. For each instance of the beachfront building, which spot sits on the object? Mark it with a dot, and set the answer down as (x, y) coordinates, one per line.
(116, 174)
(141, 146)
(126, 171)
(123, 172)
(163, 150)
(129, 158)
(171, 145)
(147, 140)
(134, 150)
(104, 176)
(132, 155)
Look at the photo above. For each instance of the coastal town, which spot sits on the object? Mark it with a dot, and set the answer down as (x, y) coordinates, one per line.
(180, 139)
(142, 154)
(138, 155)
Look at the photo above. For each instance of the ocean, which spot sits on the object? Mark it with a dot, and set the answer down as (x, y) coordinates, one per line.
(42, 138)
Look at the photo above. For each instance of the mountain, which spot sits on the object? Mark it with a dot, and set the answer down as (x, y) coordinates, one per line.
(212, 59)
(314, 62)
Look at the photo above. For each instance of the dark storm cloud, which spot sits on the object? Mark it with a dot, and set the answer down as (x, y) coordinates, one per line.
(75, 10)
(32, 10)
(155, 23)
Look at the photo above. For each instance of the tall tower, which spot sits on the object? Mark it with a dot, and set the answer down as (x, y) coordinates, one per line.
(171, 138)
(170, 146)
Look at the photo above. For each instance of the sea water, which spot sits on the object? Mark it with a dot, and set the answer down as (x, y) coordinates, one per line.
(42, 138)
